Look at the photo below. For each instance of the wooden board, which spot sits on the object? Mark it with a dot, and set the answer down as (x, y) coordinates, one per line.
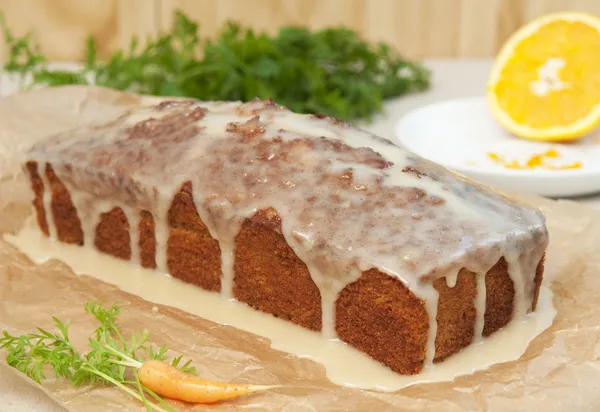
(418, 28)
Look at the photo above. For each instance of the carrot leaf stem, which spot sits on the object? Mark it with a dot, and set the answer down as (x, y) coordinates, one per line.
(110, 357)
(124, 388)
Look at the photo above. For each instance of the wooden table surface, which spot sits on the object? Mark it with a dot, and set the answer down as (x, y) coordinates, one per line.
(451, 79)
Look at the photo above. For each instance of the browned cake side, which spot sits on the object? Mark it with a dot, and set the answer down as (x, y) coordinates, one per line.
(377, 314)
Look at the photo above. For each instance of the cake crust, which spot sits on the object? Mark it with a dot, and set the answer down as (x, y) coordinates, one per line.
(376, 314)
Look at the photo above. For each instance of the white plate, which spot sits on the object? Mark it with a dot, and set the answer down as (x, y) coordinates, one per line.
(459, 134)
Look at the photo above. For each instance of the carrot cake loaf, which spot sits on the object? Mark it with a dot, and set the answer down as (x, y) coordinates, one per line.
(303, 217)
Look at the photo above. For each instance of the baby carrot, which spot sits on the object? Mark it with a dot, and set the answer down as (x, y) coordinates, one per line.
(168, 381)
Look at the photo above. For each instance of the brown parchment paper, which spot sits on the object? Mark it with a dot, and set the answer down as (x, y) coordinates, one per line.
(559, 372)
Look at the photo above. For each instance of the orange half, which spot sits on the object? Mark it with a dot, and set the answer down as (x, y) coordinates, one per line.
(545, 82)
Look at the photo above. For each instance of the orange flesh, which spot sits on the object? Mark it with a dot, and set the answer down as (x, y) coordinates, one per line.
(581, 72)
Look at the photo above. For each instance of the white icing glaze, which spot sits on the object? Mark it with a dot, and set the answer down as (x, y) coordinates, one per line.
(47, 200)
(88, 211)
(133, 217)
(227, 249)
(348, 201)
(480, 300)
(431, 297)
(522, 264)
(452, 277)
(161, 234)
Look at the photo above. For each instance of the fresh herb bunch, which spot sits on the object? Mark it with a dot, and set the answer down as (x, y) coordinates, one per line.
(107, 361)
(330, 71)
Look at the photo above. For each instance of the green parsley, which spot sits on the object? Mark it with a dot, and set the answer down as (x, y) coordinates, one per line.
(329, 71)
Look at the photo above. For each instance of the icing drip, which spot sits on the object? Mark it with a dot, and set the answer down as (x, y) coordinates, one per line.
(521, 302)
(330, 280)
(161, 234)
(133, 217)
(431, 304)
(480, 303)
(227, 258)
(223, 225)
(348, 201)
(452, 277)
(327, 302)
(88, 210)
(522, 264)
(47, 201)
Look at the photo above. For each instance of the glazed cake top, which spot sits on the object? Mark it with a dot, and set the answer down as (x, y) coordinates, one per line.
(349, 201)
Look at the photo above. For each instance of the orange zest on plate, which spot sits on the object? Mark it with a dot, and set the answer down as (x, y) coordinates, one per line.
(537, 161)
(545, 82)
